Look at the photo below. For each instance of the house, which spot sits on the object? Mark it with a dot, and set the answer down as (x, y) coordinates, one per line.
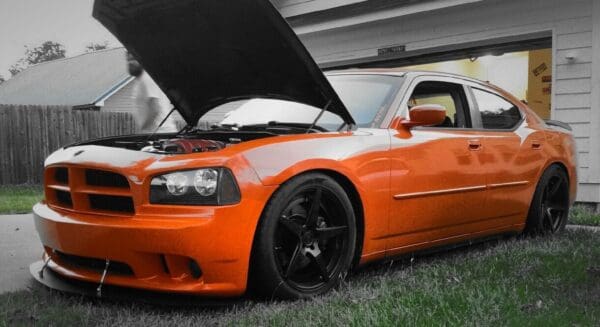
(91, 81)
(97, 80)
(546, 52)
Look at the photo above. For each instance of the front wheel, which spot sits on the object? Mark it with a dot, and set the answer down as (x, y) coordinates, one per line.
(305, 241)
(550, 205)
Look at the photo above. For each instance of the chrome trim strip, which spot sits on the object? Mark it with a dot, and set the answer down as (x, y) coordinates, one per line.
(458, 190)
(439, 192)
(498, 185)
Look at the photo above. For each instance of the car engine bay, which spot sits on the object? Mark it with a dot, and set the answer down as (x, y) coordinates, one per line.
(200, 141)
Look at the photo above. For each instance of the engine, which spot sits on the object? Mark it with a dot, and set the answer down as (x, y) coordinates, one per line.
(179, 144)
(182, 146)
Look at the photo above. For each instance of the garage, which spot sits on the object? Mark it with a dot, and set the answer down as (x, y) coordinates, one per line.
(545, 52)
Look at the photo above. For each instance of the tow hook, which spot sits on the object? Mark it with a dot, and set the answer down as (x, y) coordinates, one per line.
(99, 289)
(41, 273)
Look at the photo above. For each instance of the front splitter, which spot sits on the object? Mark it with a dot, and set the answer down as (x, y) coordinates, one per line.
(54, 281)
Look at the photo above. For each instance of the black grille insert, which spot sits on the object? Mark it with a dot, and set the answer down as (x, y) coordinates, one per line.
(64, 198)
(105, 178)
(97, 265)
(111, 203)
(61, 175)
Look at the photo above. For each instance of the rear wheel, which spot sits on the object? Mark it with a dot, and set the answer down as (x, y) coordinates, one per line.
(305, 242)
(550, 205)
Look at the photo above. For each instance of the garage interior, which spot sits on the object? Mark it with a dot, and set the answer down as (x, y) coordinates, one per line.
(523, 68)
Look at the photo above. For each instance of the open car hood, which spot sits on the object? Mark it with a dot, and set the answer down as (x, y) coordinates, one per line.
(203, 53)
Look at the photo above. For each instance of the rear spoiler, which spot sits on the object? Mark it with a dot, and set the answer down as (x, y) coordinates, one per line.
(558, 124)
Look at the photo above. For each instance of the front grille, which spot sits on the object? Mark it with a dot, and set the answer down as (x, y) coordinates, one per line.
(88, 190)
(97, 265)
(64, 198)
(105, 178)
(61, 175)
(111, 203)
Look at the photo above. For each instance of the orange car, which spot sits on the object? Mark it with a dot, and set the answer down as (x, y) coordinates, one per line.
(306, 177)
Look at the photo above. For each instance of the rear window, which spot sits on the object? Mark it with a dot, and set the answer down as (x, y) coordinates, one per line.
(496, 112)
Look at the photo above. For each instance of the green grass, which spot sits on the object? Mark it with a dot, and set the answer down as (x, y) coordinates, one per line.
(582, 215)
(552, 281)
(19, 199)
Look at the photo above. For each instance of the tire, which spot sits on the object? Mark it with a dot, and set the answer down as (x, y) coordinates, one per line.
(549, 208)
(305, 241)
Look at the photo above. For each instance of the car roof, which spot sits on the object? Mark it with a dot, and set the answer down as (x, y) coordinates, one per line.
(403, 72)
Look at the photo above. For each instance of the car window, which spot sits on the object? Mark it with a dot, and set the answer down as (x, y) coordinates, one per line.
(449, 95)
(442, 99)
(496, 112)
(261, 111)
(367, 97)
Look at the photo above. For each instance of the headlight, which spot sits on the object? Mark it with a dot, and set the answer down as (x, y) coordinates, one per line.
(206, 186)
(176, 183)
(205, 181)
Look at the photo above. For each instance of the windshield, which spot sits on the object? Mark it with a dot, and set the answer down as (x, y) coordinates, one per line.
(367, 97)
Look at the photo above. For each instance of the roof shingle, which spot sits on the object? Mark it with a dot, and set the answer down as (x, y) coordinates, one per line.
(75, 81)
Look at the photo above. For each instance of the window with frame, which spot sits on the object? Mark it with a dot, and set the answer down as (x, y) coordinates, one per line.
(449, 95)
(496, 112)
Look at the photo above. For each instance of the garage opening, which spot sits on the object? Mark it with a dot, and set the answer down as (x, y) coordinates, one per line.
(523, 67)
(525, 74)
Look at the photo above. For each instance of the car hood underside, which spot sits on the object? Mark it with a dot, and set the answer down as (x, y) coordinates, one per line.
(203, 53)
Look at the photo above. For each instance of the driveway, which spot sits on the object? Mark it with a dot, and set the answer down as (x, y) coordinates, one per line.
(19, 247)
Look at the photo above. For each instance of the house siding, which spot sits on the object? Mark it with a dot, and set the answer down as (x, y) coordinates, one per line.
(573, 25)
(121, 101)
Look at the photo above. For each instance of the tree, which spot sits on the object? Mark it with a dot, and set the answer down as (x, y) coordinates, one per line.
(2, 80)
(47, 51)
(92, 47)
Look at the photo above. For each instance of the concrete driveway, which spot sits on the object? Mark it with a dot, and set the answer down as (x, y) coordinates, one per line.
(19, 247)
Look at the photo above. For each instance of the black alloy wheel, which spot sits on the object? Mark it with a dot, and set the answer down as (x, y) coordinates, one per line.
(549, 209)
(305, 242)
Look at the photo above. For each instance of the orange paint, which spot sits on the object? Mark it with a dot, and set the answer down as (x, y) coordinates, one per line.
(418, 187)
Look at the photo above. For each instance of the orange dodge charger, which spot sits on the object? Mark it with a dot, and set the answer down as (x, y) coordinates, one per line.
(307, 176)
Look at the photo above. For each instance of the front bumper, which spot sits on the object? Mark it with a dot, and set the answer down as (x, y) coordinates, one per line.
(157, 251)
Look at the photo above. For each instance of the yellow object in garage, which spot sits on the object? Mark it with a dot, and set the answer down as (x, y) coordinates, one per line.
(539, 86)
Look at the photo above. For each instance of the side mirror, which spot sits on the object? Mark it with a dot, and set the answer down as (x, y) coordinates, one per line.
(425, 115)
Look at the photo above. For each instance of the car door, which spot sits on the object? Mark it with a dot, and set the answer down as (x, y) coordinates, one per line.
(437, 178)
(512, 156)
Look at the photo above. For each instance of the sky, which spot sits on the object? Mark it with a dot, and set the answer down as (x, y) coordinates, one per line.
(32, 22)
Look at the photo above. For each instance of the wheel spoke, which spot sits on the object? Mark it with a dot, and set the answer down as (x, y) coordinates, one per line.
(321, 266)
(294, 261)
(553, 217)
(556, 218)
(315, 205)
(291, 225)
(326, 233)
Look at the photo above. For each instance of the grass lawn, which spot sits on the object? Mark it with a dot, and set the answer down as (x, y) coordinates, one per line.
(552, 281)
(19, 199)
(581, 215)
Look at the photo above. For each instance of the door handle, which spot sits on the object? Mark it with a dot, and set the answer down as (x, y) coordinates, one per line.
(536, 145)
(474, 145)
